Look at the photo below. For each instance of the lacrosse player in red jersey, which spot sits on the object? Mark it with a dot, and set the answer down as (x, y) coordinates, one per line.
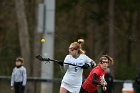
(96, 76)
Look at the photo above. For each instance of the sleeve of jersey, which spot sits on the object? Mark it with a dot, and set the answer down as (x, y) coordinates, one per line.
(24, 77)
(95, 75)
(90, 62)
(96, 71)
(12, 78)
(94, 79)
(66, 61)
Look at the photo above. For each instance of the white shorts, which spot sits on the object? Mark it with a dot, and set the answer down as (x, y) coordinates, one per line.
(70, 88)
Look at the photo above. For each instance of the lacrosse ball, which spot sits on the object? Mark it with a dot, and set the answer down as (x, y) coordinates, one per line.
(42, 40)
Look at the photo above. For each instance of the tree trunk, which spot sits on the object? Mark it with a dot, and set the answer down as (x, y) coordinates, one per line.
(23, 33)
(37, 51)
(111, 30)
(129, 42)
(36, 64)
(24, 38)
(138, 43)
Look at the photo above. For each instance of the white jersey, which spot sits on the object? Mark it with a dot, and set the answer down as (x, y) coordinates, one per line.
(73, 75)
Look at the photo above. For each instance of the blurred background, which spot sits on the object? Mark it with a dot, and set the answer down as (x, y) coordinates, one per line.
(108, 27)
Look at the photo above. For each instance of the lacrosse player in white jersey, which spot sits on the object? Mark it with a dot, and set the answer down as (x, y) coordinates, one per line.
(72, 80)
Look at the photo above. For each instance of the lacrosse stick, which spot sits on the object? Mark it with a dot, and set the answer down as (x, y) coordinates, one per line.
(39, 57)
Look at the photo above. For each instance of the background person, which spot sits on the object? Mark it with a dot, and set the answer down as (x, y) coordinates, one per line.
(137, 84)
(19, 76)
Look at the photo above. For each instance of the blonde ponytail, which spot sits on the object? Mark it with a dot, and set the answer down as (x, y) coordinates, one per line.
(81, 42)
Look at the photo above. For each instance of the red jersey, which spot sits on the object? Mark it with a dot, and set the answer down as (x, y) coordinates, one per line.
(88, 85)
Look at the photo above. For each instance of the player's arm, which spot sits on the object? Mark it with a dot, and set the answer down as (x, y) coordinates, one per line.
(66, 66)
(93, 64)
(12, 78)
(24, 77)
(90, 62)
(94, 79)
(103, 82)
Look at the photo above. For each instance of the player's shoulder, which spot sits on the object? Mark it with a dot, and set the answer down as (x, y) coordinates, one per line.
(23, 68)
(14, 68)
(83, 55)
(67, 56)
(96, 69)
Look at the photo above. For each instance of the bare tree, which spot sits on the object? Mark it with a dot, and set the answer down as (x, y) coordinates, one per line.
(23, 33)
(24, 37)
(37, 51)
(111, 28)
(138, 43)
(37, 48)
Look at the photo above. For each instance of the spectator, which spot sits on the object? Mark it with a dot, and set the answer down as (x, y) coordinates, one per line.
(19, 77)
(137, 83)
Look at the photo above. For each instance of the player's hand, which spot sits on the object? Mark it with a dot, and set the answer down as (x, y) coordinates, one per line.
(12, 88)
(85, 66)
(104, 88)
(103, 83)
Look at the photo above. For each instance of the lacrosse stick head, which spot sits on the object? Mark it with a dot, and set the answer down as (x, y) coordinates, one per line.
(39, 57)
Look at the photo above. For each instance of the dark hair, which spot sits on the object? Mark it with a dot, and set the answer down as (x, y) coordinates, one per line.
(110, 59)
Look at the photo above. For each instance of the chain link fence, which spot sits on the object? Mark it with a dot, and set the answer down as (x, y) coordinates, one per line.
(34, 83)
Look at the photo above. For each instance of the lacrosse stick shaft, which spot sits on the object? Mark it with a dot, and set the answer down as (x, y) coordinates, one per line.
(39, 57)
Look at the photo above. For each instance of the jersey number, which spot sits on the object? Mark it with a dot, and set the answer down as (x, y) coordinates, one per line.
(76, 68)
